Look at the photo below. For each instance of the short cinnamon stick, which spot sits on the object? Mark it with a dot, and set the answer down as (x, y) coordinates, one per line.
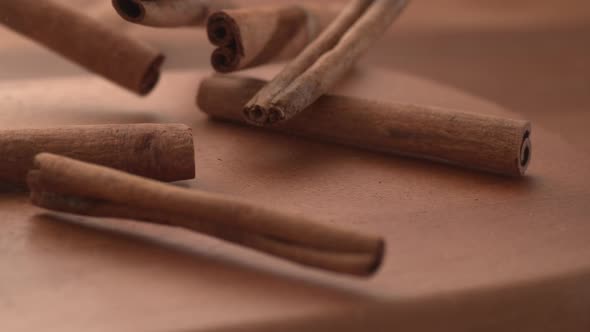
(251, 36)
(64, 184)
(160, 151)
(492, 144)
(167, 13)
(97, 47)
(324, 62)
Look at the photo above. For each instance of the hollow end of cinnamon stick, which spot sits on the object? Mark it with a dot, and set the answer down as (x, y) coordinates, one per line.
(225, 59)
(526, 151)
(152, 76)
(130, 10)
(222, 30)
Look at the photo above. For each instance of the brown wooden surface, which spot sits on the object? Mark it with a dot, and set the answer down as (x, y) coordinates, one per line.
(466, 251)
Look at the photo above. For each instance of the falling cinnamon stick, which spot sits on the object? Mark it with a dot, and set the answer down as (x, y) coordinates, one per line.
(492, 144)
(160, 151)
(324, 62)
(97, 47)
(251, 36)
(68, 185)
(167, 13)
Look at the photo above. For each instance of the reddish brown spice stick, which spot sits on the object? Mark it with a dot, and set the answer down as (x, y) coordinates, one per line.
(160, 151)
(492, 144)
(320, 66)
(167, 13)
(252, 36)
(68, 185)
(81, 39)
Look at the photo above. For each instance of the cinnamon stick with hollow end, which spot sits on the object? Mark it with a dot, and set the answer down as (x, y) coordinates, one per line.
(68, 185)
(160, 151)
(476, 141)
(324, 62)
(97, 47)
(251, 36)
(167, 13)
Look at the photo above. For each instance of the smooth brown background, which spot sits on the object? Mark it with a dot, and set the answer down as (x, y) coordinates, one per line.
(466, 251)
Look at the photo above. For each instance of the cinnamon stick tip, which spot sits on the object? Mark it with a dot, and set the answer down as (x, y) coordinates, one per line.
(130, 10)
(526, 150)
(222, 29)
(224, 60)
(255, 114)
(152, 75)
(379, 257)
(261, 116)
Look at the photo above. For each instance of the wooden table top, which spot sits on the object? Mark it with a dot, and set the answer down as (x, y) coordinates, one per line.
(466, 250)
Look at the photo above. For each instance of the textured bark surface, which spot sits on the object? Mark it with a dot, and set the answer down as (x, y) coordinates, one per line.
(494, 144)
(159, 151)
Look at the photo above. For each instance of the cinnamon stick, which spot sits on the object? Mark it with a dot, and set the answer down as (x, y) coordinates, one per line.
(324, 62)
(167, 13)
(68, 185)
(251, 36)
(160, 151)
(487, 143)
(81, 39)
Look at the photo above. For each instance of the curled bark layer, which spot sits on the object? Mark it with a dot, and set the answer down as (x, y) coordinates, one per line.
(68, 185)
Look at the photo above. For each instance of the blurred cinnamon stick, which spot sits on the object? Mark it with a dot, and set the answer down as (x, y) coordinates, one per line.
(95, 46)
(251, 36)
(167, 13)
(160, 151)
(492, 144)
(324, 62)
(67, 185)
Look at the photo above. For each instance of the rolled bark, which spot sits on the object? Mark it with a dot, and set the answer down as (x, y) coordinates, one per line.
(251, 36)
(68, 185)
(476, 141)
(160, 151)
(167, 13)
(257, 110)
(95, 46)
(350, 263)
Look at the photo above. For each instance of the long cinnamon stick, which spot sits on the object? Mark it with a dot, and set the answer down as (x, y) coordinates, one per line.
(97, 47)
(324, 62)
(160, 151)
(476, 141)
(250, 36)
(167, 13)
(68, 185)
